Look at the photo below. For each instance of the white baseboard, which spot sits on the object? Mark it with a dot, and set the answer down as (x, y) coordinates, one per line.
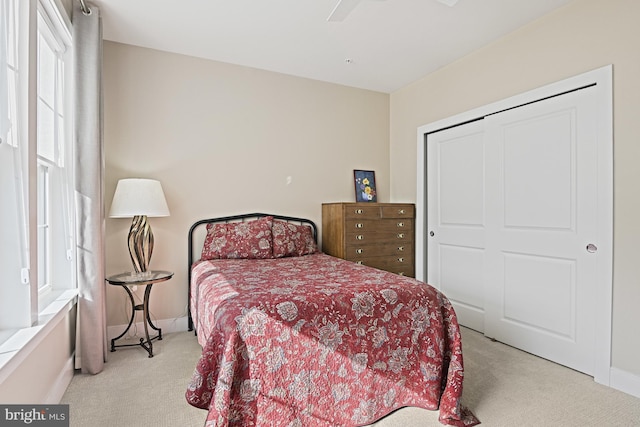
(179, 324)
(625, 381)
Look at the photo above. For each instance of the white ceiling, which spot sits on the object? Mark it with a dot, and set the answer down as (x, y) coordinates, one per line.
(382, 45)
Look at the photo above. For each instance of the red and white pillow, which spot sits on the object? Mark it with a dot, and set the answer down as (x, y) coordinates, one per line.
(292, 240)
(250, 240)
(258, 239)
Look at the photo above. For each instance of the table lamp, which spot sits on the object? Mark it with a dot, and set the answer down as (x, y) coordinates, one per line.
(139, 198)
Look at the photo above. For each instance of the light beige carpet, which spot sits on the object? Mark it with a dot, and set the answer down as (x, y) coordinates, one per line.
(135, 390)
(503, 387)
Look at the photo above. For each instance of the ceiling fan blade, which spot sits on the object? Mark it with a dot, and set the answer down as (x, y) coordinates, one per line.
(450, 3)
(342, 10)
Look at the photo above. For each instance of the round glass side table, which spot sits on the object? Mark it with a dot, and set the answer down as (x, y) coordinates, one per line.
(146, 279)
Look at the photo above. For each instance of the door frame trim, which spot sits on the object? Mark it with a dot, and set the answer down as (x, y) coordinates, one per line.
(602, 78)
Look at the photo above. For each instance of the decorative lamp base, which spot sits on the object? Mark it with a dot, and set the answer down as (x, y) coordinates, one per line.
(140, 244)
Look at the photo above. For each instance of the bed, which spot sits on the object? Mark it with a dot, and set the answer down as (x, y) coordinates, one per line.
(294, 337)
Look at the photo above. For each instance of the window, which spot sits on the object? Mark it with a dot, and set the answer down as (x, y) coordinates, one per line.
(36, 255)
(55, 225)
(44, 230)
(10, 25)
(15, 303)
(51, 173)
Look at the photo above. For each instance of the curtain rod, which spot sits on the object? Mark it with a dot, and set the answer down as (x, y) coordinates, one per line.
(84, 8)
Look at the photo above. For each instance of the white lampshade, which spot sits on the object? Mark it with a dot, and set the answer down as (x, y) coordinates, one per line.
(137, 196)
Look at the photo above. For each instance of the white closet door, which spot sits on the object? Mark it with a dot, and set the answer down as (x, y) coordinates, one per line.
(541, 228)
(511, 225)
(456, 219)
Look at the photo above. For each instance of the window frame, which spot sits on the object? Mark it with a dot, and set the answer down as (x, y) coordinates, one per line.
(24, 304)
(53, 47)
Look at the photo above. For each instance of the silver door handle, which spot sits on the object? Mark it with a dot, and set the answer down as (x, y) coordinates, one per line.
(431, 233)
(591, 248)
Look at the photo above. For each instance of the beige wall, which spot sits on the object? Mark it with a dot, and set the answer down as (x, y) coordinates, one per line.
(223, 139)
(580, 37)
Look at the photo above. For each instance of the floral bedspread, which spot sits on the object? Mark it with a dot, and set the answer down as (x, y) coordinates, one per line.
(319, 341)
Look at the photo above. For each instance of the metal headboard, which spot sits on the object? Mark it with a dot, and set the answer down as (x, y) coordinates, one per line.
(234, 218)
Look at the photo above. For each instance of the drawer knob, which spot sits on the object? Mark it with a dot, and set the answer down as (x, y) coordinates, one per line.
(359, 237)
(359, 211)
(400, 235)
(401, 211)
(400, 248)
(359, 225)
(400, 224)
(359, 251)
(400, 259)
(401, 273)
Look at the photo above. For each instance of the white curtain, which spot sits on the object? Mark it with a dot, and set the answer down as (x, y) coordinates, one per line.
(4, 83)
(91, 348)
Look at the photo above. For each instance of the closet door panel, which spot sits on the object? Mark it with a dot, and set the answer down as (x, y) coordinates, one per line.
(541, 209)
(455, 219)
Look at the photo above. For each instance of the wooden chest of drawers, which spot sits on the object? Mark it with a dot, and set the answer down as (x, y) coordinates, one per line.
(379, 235)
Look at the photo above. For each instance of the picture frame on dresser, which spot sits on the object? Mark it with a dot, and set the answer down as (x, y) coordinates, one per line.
(365, 185)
